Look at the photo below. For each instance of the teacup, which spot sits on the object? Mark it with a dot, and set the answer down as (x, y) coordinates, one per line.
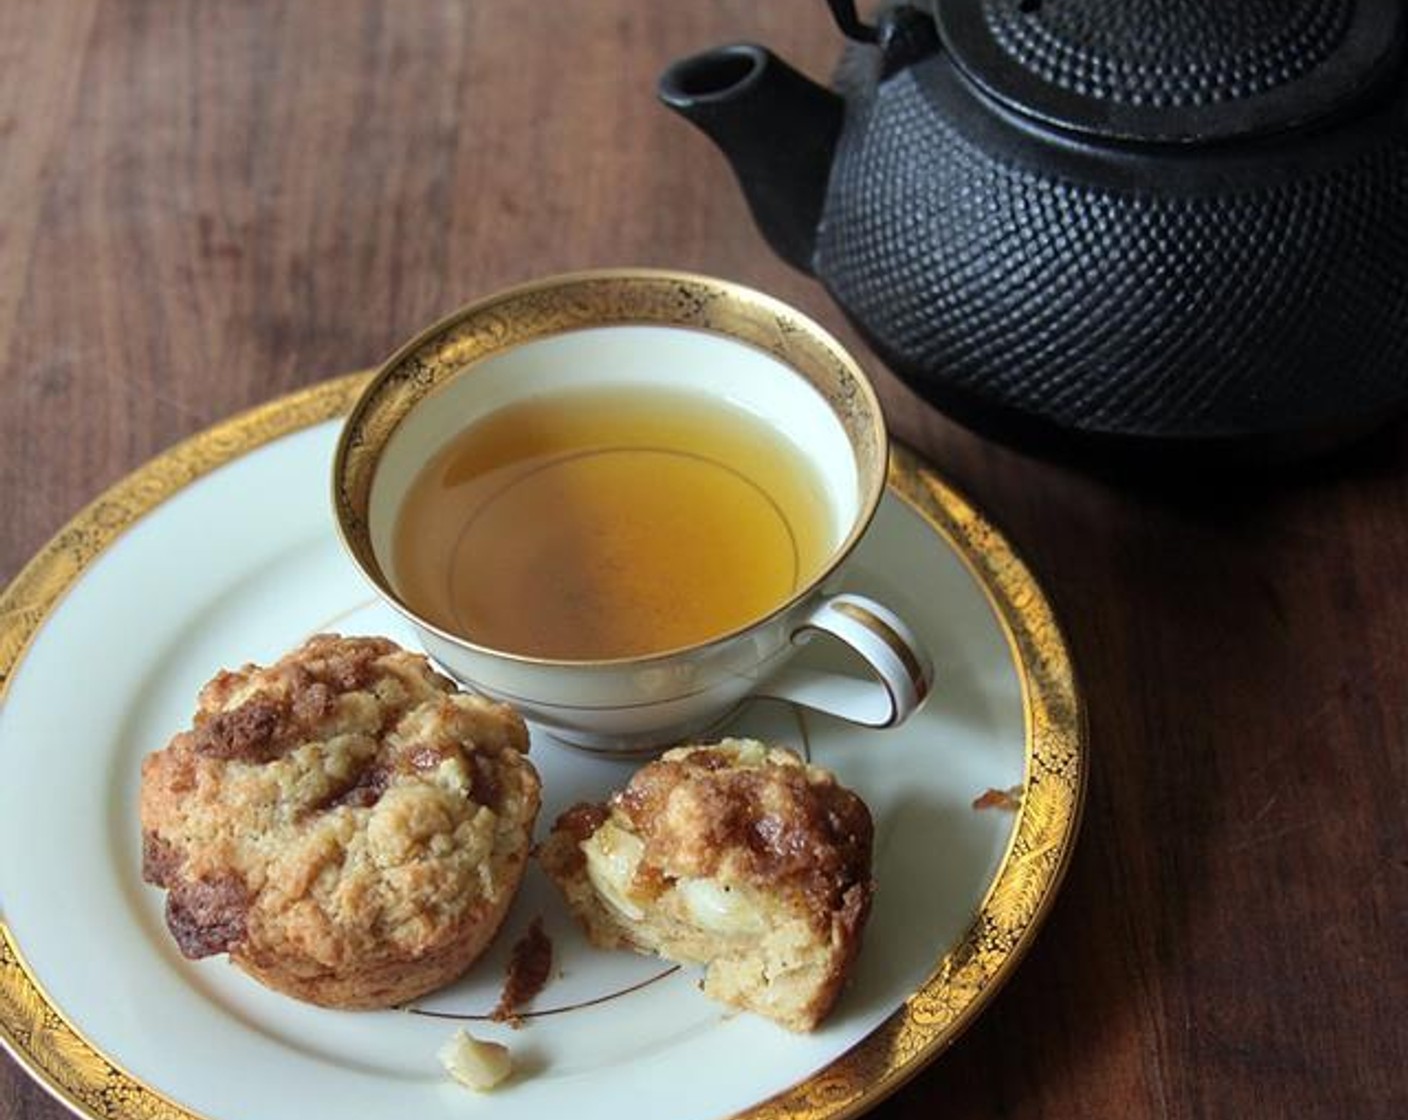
(528, 395)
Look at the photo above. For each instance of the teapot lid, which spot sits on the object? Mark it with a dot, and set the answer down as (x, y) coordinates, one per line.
(1181, 71)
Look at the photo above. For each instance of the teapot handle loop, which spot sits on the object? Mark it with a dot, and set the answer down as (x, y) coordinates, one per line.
(903, 32)
(847, 19)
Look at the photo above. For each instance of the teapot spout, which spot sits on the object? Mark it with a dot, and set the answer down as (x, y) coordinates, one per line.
(778, 130)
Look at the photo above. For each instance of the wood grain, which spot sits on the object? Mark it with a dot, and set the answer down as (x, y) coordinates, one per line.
(205, 205)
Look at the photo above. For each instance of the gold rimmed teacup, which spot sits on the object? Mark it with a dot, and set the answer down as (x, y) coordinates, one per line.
(640, 329)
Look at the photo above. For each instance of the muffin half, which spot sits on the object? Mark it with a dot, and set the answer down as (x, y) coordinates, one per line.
(735, 855)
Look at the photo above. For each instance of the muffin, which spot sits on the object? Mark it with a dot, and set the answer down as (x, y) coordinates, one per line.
(347, 826)
(736, 856)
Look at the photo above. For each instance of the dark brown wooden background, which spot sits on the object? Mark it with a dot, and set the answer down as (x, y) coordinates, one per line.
(203, 205)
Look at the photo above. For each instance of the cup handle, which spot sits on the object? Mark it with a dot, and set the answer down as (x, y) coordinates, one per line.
(903, 671)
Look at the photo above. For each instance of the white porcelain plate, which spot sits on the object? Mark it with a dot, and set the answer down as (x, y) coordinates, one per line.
(223, 551)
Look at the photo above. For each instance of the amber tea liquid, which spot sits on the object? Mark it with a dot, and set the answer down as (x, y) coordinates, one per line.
(609, 523)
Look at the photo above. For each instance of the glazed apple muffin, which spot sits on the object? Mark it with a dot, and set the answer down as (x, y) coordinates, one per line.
(736, 856)
(343, 823)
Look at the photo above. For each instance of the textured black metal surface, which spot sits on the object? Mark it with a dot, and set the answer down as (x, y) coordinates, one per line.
(1173, 69)
(1135, 297)
(1189, 53)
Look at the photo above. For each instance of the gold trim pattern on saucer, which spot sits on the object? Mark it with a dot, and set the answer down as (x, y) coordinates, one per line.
(1048, 812)
(65, 1062)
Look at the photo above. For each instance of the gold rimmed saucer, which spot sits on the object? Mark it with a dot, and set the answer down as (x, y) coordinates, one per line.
(1004, 655)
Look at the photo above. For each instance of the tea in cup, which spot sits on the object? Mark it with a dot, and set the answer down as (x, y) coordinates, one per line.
(619, 501)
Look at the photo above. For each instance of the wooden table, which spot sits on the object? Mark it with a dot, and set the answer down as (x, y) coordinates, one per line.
(203, 206)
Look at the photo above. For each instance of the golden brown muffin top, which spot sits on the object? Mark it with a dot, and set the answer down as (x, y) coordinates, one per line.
(740, 812)
(344, 799)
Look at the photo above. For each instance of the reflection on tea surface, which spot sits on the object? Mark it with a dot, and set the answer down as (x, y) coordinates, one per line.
(610, 522)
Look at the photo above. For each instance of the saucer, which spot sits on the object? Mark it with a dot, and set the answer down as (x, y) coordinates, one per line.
(223, 551)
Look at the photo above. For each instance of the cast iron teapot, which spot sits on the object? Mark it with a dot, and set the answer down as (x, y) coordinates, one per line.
(1112, 223)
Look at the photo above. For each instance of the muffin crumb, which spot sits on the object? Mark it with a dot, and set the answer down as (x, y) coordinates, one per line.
(476, 1063)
